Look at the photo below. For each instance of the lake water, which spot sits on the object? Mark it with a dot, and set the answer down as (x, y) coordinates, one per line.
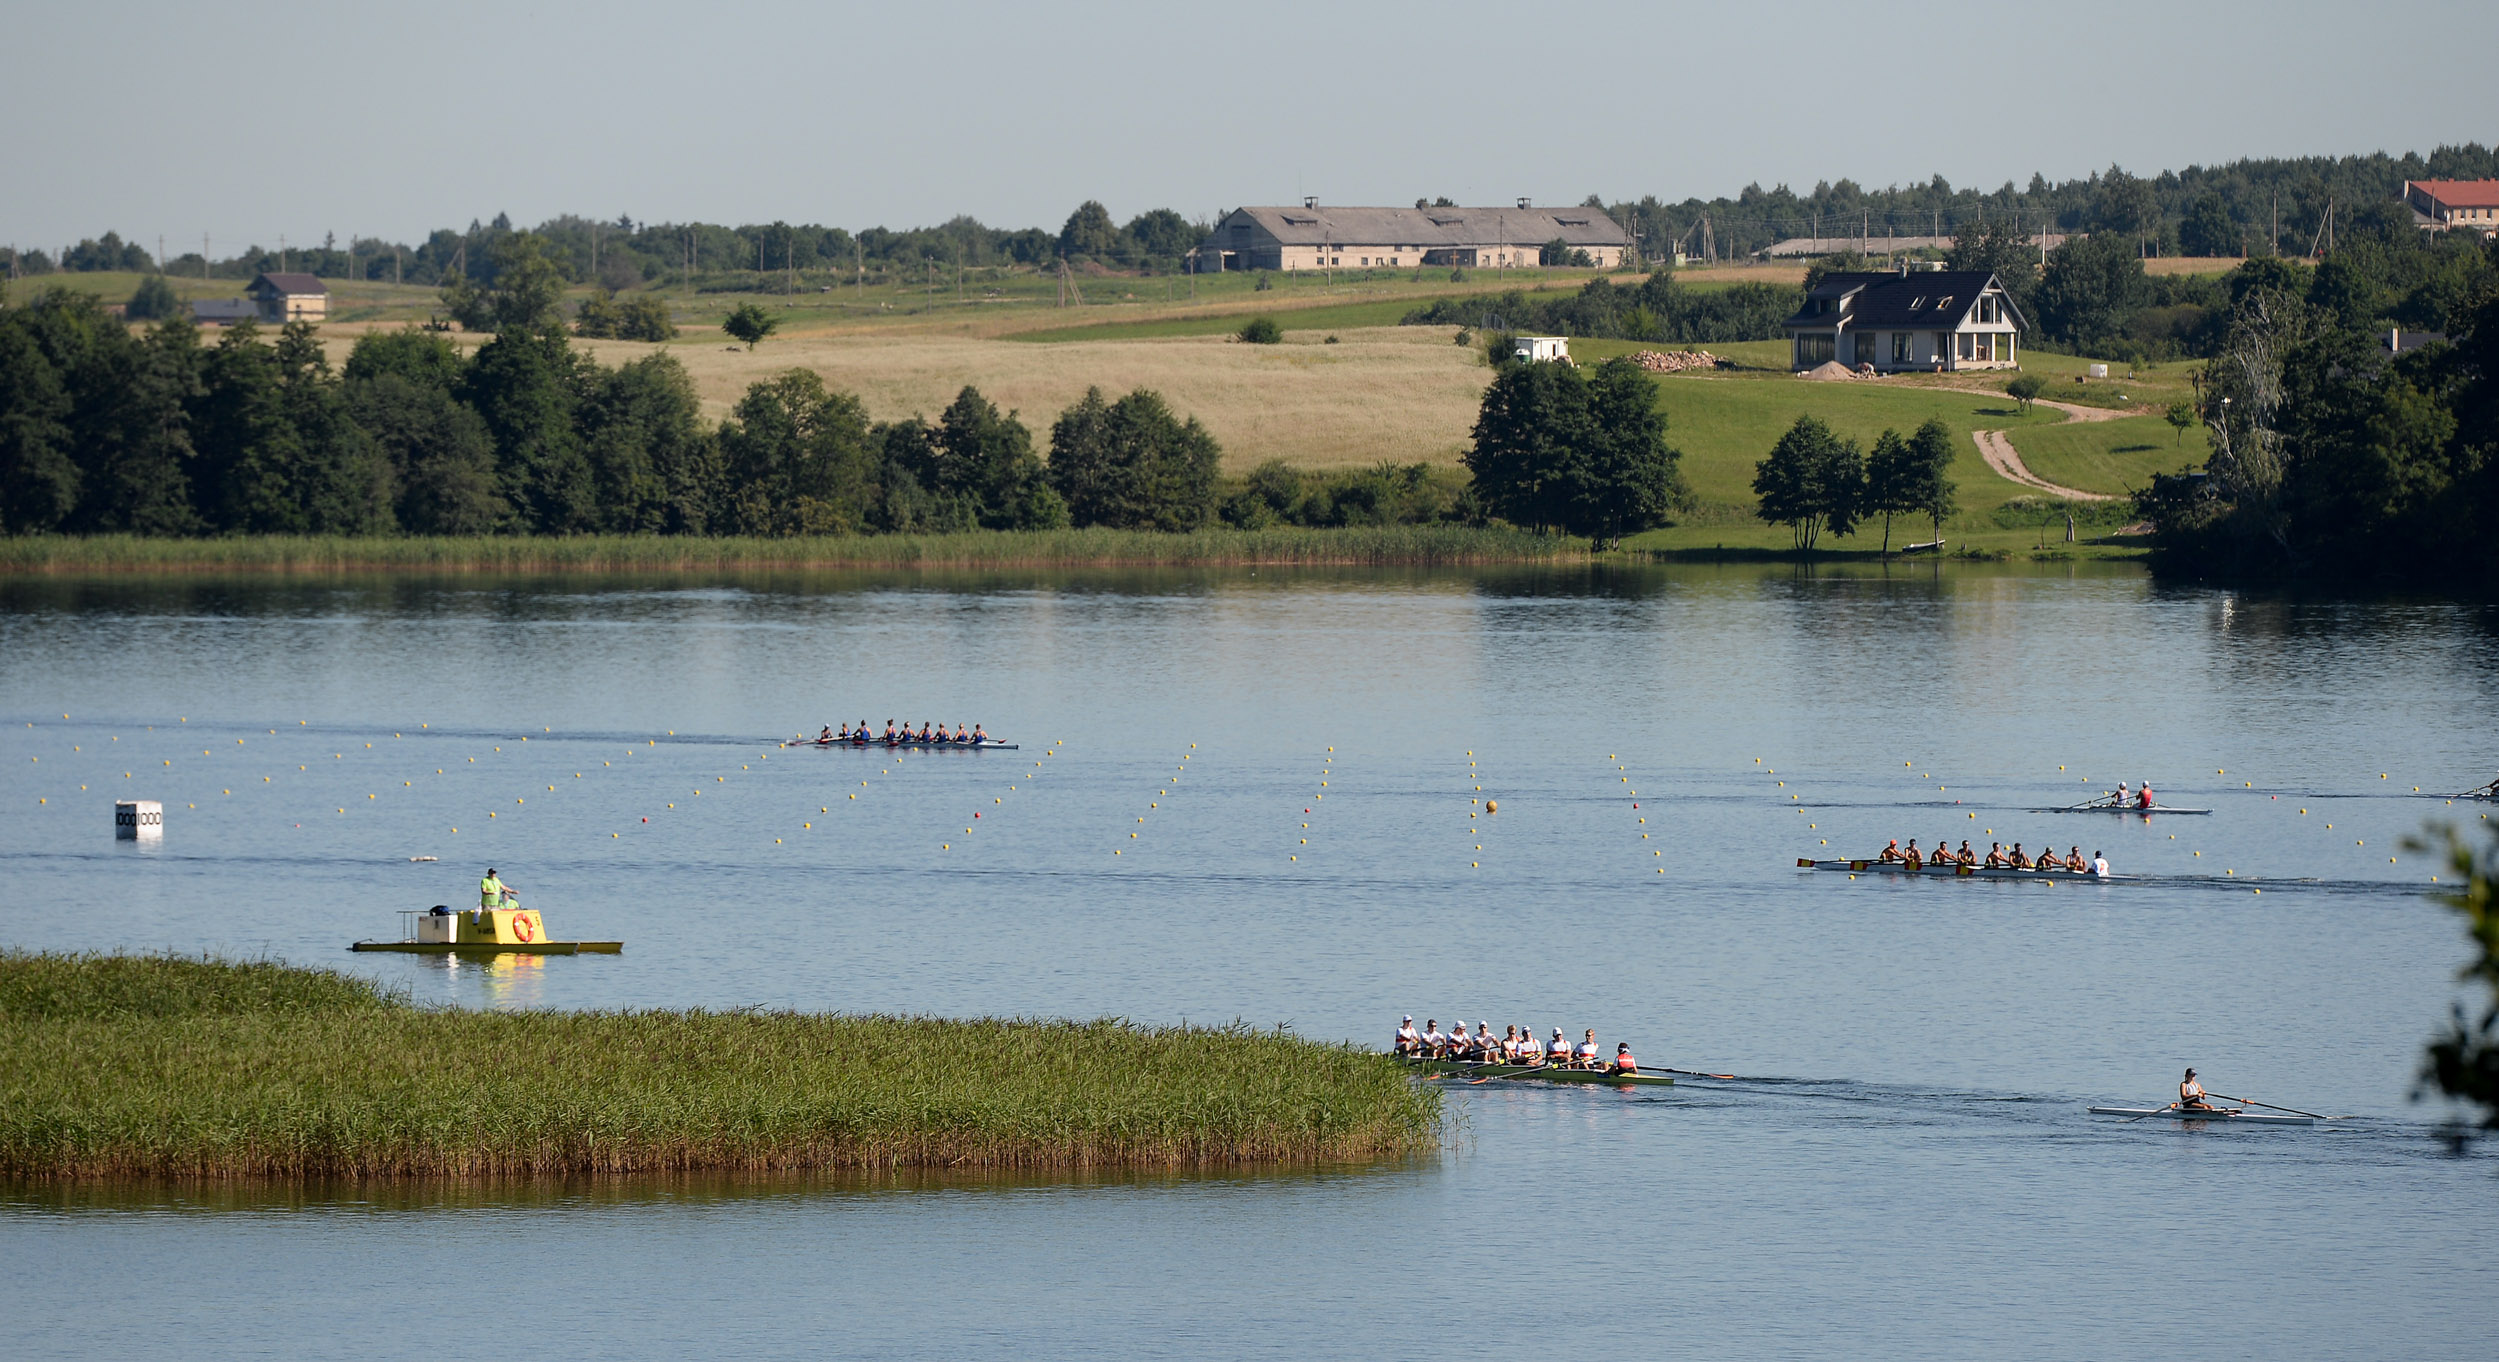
(1250, 795)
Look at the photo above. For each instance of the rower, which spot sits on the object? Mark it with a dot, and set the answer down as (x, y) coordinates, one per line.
(2143, 797)
(1509, 1044)
(889, 732)
(960, 735)
(2074, 859)
(2099, 865)
(1624, 1064)
(1409, 1041)
(1891, 852)
(1486, 1048)
(1559, 1051)
(1585, 1057)
(2018, 860)
(2123, 799)
(825, 735)
(979, 735)
(1434, 1043)
(1966, 856)
(1911, 858)
(2191, 1094)
(1995, 855)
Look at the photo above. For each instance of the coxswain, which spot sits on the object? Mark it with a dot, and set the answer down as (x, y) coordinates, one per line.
(2099, 865)
(1995, 855)
(1586, 1055)
(2143, 797)
(1409, 1041)
(1434, 1043)
(2018, 860)
(1624, 1064)
(1912, 858)
(2191, 1094)
(1891, 851)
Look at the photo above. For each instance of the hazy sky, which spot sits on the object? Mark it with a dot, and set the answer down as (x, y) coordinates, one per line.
(247, 120)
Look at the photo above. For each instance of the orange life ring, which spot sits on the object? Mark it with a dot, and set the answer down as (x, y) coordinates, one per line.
(521, 927)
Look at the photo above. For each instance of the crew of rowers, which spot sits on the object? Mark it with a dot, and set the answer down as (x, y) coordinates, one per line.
(1515, 1045)
(2140, 799)
(929, 733)
(1997, 857)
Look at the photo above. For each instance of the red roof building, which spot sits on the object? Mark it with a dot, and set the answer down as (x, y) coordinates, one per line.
(2442, 204)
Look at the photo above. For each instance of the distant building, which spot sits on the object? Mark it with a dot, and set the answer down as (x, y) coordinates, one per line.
(225, 311)
(1530, 349)
(2442, 204)
(290, 297)
(1930, 320)
(1311, 237)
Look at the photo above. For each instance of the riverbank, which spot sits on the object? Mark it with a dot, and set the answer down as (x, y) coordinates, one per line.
(1381, 546)
(151, 1066)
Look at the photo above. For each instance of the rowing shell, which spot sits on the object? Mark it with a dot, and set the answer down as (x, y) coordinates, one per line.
(2230, 1115)
(1954, 872)
(1540, 1073)
(949, 745)
(2120, 808)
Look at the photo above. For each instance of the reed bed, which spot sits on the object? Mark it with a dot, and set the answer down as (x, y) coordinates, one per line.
(191, 1069)
(1382, 546)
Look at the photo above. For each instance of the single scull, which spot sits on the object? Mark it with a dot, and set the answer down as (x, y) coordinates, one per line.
(2232, 1115)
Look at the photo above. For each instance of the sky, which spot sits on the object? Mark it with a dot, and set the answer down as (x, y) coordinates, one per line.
(246, 121)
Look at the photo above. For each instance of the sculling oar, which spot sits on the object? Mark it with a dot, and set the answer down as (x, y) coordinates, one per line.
(1694, 1073)
(2163, 1111)
(2250, 1101)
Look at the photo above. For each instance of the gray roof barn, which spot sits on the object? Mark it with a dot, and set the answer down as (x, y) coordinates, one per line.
(1437, 228)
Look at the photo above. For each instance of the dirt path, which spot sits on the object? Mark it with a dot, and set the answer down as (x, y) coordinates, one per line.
(2007, 461)
(2076, 412)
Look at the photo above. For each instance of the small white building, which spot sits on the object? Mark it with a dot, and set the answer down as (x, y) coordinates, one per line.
(1530, 349)
(1932, 320)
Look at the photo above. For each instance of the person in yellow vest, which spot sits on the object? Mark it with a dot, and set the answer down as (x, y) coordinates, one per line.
(491, 894)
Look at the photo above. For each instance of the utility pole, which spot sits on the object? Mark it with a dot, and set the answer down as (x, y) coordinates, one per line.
(281, 252)
(2274, 242)
(203, 257)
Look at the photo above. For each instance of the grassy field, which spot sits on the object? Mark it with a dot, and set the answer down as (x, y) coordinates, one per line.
(2108, 456)
(118, 1066)
(1396, 545)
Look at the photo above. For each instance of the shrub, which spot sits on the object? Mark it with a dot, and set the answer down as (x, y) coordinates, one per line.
(1260, 331)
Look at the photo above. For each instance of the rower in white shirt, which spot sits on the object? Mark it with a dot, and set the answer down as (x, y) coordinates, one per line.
(1559, 1050)
(1409, 1040)
(2099, 865)
(2191, 1094)
(1434, 1043)
(1586, 1055)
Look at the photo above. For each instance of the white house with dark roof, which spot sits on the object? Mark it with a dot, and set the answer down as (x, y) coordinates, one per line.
(1938, 320)
(1311, 237)
(289, 297)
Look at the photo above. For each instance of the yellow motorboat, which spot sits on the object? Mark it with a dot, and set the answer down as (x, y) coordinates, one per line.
(484, 931)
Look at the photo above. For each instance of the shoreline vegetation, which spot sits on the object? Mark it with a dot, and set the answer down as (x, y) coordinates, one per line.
(120, 1066)
(1361, 546)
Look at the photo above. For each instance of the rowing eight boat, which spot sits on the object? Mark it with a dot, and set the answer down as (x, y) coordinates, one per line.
(1541, 1073)
(949, 745)
(1949, 871)
(2230, 1115)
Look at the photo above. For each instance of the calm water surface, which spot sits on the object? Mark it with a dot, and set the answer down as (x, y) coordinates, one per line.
(1249, 795)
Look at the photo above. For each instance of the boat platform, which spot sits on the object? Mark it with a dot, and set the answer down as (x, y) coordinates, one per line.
(1537, 1073)
(500, 931)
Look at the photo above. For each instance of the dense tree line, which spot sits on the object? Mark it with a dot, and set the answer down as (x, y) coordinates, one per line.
(1816, 482)
(1654, 309)
(2250, 206)
(106, 428)
(2331, 455)
(1578, 450)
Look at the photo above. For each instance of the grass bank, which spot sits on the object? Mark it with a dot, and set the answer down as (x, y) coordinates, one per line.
(1385, 546)
(124, 1066)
